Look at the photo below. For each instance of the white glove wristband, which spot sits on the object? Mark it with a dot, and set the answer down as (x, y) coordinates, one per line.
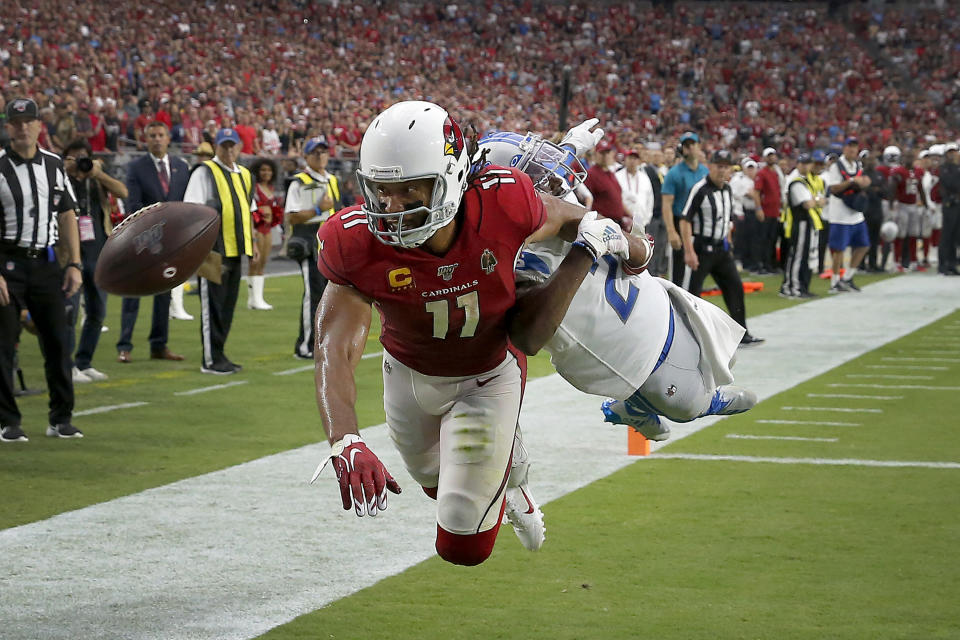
(335, 450)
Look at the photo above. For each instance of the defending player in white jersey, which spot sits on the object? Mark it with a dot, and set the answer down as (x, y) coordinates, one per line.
(653, 347)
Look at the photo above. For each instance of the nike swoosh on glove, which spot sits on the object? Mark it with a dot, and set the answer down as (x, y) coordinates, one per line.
(363, 479)
(581, 138)
(601, 237)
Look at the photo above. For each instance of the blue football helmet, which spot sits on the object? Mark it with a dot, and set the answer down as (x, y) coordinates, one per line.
(553, 169)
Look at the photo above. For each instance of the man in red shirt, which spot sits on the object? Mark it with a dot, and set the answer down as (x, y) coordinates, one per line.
(605, 188)
(768, 184)
(433, 247)
(250, 144)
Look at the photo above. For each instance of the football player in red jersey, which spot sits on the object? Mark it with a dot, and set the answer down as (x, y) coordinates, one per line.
(908, 206)
(434, 248)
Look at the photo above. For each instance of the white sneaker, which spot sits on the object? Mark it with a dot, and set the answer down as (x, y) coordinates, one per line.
(79, 377)
(525, 516)
(93, 374)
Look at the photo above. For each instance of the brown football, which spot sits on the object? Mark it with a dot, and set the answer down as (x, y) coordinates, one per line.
(156, 248)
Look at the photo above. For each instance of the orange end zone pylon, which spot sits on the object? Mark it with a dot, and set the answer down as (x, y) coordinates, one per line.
(637, 445)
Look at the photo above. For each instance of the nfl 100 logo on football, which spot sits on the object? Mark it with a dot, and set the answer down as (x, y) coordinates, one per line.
(150, 240)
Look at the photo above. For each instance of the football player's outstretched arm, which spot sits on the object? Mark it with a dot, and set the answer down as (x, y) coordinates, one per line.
(343, 321)
(539, 311)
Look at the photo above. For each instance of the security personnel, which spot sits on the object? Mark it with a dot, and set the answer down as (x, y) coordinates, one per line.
(802, 223)
(312, 197)
(227, 187)
(36, 215)
(659, 264)
(705, 234)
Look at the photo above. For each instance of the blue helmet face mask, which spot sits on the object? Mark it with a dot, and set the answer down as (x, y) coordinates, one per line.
(553, 169)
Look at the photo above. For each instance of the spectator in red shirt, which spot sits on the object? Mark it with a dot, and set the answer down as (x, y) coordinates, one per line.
(768, 185)
(602, 183)
(248, 134)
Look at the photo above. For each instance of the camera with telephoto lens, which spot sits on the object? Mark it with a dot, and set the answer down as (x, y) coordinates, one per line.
(84, 165)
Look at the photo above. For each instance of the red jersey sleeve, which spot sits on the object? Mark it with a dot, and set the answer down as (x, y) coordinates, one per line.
(340, 242)
(514, 206)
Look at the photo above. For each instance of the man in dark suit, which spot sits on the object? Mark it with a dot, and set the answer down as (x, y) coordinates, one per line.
(155, 177)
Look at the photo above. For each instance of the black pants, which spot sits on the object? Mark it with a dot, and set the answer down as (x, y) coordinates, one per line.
(949, 239)
(36, 285)
(770, 233)
(659, 264)
(874, 220)
(217, 303)
(677, 267)
(822, 248)
(718, 262)
(95, 310)
(159, 326)
(796, 271)
(313, 285)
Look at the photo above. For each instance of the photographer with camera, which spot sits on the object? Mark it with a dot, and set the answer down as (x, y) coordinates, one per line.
(312, 197)
(91, 184)
(845, 183)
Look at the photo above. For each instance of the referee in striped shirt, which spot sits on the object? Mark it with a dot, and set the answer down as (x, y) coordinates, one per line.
(705, 234)
(36, 215)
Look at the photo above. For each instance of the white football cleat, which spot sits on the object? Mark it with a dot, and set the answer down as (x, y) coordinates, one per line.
(730, 399)
(525, 516)
(646, 424)
(521, 510)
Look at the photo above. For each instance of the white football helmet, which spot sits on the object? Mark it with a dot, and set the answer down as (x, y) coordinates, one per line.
(888, 231)
(553, 169)
(891, 155)
(411, 141)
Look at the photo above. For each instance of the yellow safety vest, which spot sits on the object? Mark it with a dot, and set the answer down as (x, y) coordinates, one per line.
(815, 185)
(234, 193)
(332, 189)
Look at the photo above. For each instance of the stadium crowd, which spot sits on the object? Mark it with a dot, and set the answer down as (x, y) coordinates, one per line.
(747, 75)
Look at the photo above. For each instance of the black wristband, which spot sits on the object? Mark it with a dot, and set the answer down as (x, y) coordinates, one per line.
(75, 265)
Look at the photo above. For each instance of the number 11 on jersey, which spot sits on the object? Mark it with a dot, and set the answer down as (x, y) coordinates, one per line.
(440, 310)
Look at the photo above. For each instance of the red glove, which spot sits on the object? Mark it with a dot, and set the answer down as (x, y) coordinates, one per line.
(363, 479)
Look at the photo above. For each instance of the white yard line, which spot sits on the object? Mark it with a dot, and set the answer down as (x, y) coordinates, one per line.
(310, 367)
(891, 376)
(234, 553)
(838, 409)
(903, 367)
(851, 396)
(112, 407)
(741, 436)
(897, 387)
(226, 385)
(917, 359)
(843, 462)
(819, 423)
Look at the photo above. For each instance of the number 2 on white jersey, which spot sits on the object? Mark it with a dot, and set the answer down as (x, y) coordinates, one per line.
(440, 309)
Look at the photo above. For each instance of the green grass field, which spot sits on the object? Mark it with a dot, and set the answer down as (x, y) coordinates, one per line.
(664, 548)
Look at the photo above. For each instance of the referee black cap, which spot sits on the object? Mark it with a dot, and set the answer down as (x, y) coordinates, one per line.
(22, 108)
(721, 156)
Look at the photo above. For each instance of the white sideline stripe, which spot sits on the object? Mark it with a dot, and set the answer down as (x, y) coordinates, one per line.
(232, 554)
(887, 375)
(840, 462)
(840, 409)
(112, 407)
(852, 396)
(906, 366)
(898, 387)
(306, 367)
(917, 359)
(192, 392)
(938, 352)
(813, 422)
(310, 367)
(741, 436)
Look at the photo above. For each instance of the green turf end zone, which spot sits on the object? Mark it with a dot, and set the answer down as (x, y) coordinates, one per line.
(693, 549)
